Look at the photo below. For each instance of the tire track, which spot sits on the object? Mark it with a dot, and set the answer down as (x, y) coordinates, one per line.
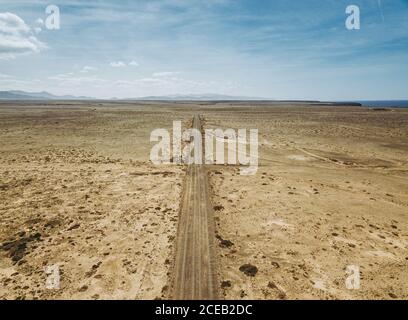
(194, 270)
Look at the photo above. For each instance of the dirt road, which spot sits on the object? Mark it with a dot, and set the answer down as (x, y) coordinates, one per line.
(195, 276)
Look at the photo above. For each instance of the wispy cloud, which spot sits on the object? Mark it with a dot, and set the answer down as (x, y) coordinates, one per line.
(165, 74)
(88, 69)
(72, 80)
(121, 64)
(4, 76)
(117, 64)
(380, 7)
(16, 37)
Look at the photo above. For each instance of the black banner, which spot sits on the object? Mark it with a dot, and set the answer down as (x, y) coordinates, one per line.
(200, 310)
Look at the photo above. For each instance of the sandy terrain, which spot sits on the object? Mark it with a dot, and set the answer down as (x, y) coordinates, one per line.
(332, 191)
(78, 191)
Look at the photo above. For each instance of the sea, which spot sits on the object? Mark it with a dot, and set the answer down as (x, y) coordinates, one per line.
(385, 103)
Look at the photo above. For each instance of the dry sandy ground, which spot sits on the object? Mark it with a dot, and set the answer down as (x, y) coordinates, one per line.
(331, 192)
(77, 191)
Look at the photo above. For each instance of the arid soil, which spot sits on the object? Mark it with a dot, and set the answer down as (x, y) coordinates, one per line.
(78, 191)
(331, 192)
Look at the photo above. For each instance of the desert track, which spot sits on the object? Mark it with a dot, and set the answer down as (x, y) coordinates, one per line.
(194, 274)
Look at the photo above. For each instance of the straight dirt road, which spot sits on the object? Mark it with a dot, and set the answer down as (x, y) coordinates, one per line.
(195, 276)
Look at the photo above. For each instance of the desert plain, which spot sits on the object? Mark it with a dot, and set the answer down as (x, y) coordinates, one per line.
(78, 191)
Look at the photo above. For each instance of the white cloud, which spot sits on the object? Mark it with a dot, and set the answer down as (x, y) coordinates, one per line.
(88, 69)
(16, 37)
(117, 64)
(165, 74)
(70, 79)
(4, 76)
(165, 85)
(121, 64)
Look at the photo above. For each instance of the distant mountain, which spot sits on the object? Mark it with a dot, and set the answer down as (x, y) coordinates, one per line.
(23, 95)
(8, 95)
(197, 97)
(44, 95)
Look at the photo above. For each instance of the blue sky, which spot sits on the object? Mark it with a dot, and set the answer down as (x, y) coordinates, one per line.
(264, 48)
